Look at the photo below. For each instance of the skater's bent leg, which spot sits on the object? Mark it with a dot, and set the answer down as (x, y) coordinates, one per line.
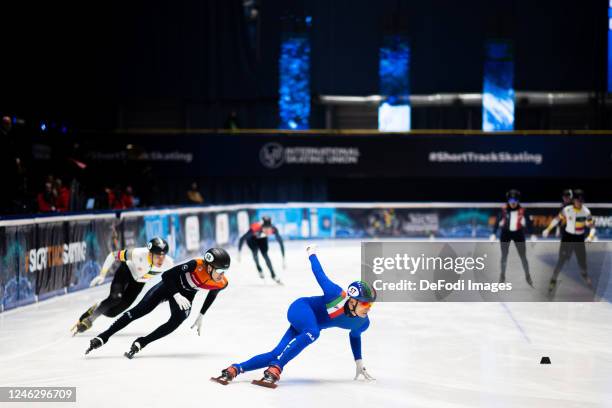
(111, 303)
(177, 316)
(256, 259)
(269, 264)
(263, 247)
(580, 249)
(304, 321)
(565, 252)
(254, 250)
(107, 304)
(265, 359)
(295, 346)
(505, 246)
(89, 313)
(117, 310)
(157, 294)
(121, 282)
(522, 251)
(129, 295)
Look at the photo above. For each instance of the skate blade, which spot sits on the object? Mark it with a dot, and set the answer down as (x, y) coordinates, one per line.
(262, 383)
(219, 380)
(128, 355)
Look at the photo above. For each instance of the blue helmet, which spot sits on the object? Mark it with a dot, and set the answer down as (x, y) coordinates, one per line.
(362, 291)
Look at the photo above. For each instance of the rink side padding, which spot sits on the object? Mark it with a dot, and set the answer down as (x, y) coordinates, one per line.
(43, 257)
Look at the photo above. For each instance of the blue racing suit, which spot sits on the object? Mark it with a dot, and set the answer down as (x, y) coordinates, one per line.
(307, 317)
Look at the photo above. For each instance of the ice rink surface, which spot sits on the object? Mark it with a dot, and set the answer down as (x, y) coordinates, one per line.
(422, 354)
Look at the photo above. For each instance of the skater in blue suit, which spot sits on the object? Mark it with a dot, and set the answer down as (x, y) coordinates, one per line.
(307, 317)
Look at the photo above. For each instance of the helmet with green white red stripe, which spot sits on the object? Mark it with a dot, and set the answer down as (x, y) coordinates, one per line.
(362, 291)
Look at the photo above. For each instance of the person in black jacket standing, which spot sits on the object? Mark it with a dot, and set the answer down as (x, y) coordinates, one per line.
(513, 223)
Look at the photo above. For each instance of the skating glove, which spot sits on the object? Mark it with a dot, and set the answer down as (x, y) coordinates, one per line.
(96, 281)
(545, 233)
(198, 324)
(311, 249)
(182, 301)
(361, 370)
(492, 237)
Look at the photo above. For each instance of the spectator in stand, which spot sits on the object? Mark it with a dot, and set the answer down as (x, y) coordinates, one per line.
(232, 122)
(127, 197)
(114, 198)
(193, 195)
(62, 202)
(7, 126)
(46, 199)
(13, 170)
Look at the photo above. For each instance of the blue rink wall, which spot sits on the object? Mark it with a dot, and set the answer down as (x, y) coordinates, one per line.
(49, 256)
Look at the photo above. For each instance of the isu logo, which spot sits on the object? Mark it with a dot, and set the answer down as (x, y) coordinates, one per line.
(272, 155)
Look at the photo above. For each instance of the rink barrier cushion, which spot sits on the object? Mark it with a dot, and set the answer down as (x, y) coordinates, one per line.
(47, 256)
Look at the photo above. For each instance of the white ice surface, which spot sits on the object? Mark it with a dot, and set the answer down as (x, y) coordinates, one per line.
(422, 354)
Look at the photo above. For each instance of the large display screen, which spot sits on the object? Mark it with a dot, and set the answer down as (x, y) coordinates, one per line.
(294, 82)
(610, 47)
(394, 80)
(498, 87)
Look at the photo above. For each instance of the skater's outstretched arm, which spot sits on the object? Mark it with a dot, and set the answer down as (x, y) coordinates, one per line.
(121, 256)
(330, 289)
(210, 298)
(243, 238)
(355, 339)
(527, 223)
(560, 217)
(591, 226)
(108, 262)
(280, 241)
(499, 221)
